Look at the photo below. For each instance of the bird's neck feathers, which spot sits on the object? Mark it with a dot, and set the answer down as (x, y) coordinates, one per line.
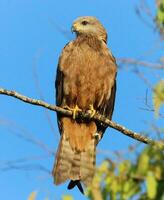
(102, 36)
(91, 39)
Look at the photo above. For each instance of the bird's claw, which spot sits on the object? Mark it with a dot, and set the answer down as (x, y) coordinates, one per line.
(91, 111)
(74, 110)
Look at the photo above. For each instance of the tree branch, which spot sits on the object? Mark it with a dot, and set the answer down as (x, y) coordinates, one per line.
(131, 61)
(84, 115)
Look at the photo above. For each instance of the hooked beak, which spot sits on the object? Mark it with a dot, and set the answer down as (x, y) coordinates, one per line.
(74, 28)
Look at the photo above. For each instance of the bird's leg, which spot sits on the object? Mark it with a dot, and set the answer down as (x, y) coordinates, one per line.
(91, 110)
(74, 110)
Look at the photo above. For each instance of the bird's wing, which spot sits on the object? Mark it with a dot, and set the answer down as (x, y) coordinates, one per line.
(59, 85)
(108, 108)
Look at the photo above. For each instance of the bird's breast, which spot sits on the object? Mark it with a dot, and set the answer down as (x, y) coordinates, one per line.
(86, 78)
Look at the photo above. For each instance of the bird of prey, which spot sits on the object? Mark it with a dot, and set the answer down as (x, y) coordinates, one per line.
(85, 81)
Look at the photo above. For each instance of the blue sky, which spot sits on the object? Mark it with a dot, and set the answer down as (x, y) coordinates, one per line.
(30, 44)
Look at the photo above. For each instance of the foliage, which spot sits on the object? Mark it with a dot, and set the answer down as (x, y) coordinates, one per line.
(158, 96)
(141, 179)
(160, 15)
(32, 196)
(67, 197)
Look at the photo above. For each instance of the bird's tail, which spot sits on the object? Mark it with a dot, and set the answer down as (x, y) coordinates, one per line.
(75, 159)
(77, 183)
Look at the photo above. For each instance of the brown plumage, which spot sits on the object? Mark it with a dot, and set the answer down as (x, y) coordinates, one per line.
(85, 77)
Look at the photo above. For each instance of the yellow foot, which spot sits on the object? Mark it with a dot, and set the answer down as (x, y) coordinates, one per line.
(91, 111)
(74, 110)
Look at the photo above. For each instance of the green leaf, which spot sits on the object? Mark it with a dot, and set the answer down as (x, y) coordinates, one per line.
(143, 162)
(160, 16)
(151, 185)
(114, 186)
(133, 190)
(109, 179)
(32, 196)
(126, 186)
(67, 197)
(158, 96)
(124, 166)
(103, 167)
(158, 172)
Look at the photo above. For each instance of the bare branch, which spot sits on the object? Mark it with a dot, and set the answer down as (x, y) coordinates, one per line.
(27, 167)
(22, 164)
(41, 96)
(84, 115)
(23, 133)
(144, 13)
(131, 61)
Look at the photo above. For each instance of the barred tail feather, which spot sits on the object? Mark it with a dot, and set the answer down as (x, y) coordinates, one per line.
(88, 158)
(63, 163)
(76, 164)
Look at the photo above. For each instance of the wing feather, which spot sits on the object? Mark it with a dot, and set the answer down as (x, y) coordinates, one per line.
(107, 108)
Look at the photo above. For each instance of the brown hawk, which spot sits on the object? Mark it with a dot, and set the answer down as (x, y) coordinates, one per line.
(86, 80)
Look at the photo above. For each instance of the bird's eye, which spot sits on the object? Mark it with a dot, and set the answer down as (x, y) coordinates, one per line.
(84, 22)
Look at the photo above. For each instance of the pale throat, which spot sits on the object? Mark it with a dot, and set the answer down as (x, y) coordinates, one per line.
(92, 34)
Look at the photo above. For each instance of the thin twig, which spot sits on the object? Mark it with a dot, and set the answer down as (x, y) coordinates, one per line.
(26, 167)
(25, 134)
(39, 91)
(84, 115)
(131, 61)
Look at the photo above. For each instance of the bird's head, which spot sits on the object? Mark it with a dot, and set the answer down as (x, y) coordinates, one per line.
(89, 26)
